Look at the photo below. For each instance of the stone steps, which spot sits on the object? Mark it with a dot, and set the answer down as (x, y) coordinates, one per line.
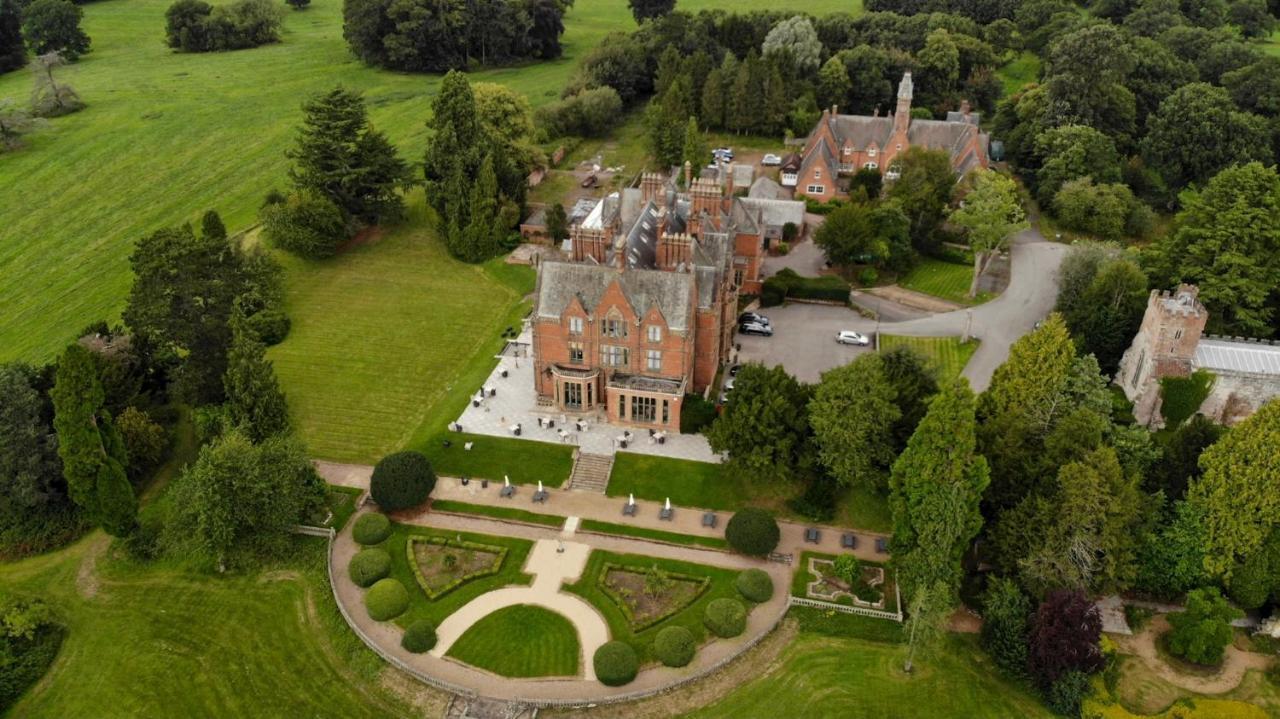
(591, 472)
(479, 708)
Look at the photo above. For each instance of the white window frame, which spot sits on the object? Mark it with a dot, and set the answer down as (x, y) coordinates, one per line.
(871, 166)
(655, 333)
(653, 360)
(575, 325)
(871, 152)
(816, 189)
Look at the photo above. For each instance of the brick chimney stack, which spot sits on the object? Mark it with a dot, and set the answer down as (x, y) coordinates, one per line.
(589, 245)
(674, 250)
(902, 117)
(651, 187)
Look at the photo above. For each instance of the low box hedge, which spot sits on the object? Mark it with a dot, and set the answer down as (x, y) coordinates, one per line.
(703, 584)
(432, 539)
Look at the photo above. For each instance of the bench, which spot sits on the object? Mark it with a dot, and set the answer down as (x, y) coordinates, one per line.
(882, 545)
(812, 535)
(848, 541)
(709, 519)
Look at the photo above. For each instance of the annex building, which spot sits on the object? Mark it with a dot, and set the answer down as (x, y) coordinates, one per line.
(840, 145)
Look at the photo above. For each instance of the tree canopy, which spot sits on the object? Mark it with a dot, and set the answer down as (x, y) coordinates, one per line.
(764, 426)
(853, 412)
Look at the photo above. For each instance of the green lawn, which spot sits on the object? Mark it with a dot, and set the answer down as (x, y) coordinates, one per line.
(626, 530)
(167, 136)
(382, 335)
(851, 678)
(707, 486)
(420, 606)
(690, 617)
(1272, 46)
(948, 354)
(1019, 71)
(802, 576)
(341, 502)
(484, 510)
(946, 280)
(524, 461)
(155, 640)
(521, 641)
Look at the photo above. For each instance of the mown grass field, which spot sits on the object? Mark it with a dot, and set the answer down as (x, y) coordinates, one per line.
(521, 641)
(851, 678)
(1019, 71)
(947, 280)
(948, 354)
(167, 136)
(155, 640)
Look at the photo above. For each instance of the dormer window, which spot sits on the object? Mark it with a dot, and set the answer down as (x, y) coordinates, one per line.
(655, 333)
(848, 150)
(614, 326)
(871, 152)
(575, 325)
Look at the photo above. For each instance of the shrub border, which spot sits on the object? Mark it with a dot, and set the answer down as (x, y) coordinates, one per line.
(704, 583)
(494, 568)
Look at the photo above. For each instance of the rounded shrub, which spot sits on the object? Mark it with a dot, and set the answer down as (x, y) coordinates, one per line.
(674, 646)
(755, 585)
(371, 528)
(419, 637)
(402, 480)
(615, 663)
(386, 599)
(368, 566)
(725, 617)
(752, 531)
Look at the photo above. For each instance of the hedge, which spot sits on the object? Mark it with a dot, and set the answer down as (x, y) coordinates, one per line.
(1181, 397)
(436, 594)
(402, 480)
(615, 663)
(371, 528)
(725, 617)
(787, 284)
(368, 566)
(674, 646)
(752, 531)
(419, 637)
(625, 608)
(755, 585)
(386, 599)
(696, 414)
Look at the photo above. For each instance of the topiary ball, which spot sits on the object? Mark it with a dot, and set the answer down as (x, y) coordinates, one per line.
(386, 599)
(419, 637)
(371, 528)
(402, 480)
(752, 531)
(725, 617)
(615, 663)
(755, 585)
(368, 566)
(674, 646)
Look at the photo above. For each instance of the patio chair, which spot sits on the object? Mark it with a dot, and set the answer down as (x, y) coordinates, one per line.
(540, 497)
(629, 509)
(812, 535)
(666, 514)
(709, 519)
(848, 541)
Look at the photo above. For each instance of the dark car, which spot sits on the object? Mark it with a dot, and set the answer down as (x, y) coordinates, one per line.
(755, 328)
(746, 317)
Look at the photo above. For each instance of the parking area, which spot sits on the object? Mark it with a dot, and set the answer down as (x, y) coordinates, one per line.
(804, 339)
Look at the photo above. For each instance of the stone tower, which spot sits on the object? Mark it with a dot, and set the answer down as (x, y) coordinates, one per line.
(902, 116)
(1164, 347)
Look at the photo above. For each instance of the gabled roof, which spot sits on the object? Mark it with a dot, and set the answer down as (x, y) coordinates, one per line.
(861, 130)
(776, 213)
(1234, 356)
(669, 292)
(764, 188)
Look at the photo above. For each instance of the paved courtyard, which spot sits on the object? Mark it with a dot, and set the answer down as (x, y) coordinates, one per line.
(804, 339)
(513, 402)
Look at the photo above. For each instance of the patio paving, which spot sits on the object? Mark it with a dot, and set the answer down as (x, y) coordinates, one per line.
(514, 401)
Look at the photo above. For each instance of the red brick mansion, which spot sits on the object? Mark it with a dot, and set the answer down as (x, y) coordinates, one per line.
(840, 145)
(645, 308)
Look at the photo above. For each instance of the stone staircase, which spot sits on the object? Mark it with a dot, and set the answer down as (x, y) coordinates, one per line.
(591, 472)
(477, 708)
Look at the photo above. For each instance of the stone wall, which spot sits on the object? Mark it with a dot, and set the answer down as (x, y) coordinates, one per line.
(1235, 396)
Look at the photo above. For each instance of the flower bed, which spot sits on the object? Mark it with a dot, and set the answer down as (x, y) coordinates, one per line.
(440, 576)
(643, 604)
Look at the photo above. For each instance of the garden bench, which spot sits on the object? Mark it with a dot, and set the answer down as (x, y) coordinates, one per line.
(812, 535)
(882, 545)
(848, 541)
(709, 520)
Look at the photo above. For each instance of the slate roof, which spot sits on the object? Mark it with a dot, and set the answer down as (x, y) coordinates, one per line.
(776, 213)
(560, 282)
(1234, 356)
(863, 130)
(764, 188)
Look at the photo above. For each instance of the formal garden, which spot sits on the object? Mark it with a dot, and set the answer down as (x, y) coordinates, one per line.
(844, 579)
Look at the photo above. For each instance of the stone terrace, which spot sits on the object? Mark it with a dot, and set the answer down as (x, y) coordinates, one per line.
(516, 402)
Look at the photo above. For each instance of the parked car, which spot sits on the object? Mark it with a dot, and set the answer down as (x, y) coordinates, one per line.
(728, 385)
(723, 153)
(733, 370)
(755, 328)
(771, 160)
(849, 337)
(753, 317)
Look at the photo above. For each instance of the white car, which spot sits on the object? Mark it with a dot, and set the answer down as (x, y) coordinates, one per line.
(771, 160)
(849, 337)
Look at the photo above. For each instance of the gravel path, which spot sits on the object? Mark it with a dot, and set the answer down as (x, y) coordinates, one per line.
(1235, 662)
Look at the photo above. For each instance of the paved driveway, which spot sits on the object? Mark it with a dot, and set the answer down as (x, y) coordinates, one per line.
(803, 339)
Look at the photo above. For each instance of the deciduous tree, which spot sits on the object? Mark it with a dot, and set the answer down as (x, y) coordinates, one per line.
(991, 212)
(643, 10)
(876, 234)
(1197, 132)
(935, 489)
(1064, 637)
(853, 413)
(1106, 318)
(93, 457)
(13, 50)
(796, 37)
(1006, 611)
(923, 191)
(764, 426)
(31, 480)
(1203, 630)
(1069, 153)
(54, 26)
